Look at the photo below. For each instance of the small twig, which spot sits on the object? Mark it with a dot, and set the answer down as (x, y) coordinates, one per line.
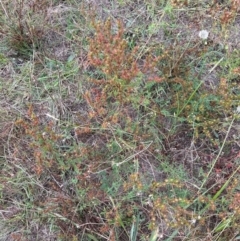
(133, 156)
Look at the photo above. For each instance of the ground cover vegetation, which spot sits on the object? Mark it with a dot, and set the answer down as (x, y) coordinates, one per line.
(119, 120)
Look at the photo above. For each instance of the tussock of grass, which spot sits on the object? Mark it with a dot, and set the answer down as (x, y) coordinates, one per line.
(118, 122)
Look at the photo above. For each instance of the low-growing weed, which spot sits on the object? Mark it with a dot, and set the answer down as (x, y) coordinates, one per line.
(131, 132)
(24, 25)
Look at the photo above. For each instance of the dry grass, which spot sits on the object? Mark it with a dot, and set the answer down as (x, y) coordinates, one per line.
(117, 122)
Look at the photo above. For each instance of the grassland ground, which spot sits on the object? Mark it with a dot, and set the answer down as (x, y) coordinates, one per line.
(119, 120)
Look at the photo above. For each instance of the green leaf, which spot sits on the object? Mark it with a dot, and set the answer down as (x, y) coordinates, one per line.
(154, 235)
(71, 58)
(92, 237)
(223, 225)
(134, 229)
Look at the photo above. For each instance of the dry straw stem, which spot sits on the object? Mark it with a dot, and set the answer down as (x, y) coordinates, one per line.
(219, 153)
